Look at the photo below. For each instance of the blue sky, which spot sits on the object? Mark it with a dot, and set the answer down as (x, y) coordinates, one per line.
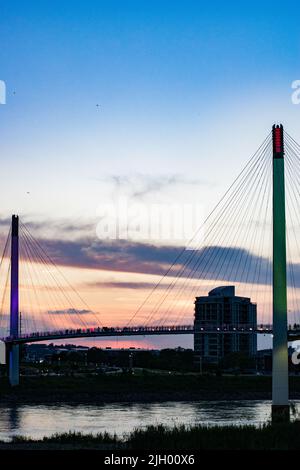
(183, 88)
(171, 78)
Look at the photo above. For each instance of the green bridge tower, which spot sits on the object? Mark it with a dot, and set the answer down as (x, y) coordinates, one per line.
(280, 387)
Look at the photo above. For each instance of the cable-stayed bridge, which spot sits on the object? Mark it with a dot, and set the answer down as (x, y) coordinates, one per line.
(106, 332)
(250, 239)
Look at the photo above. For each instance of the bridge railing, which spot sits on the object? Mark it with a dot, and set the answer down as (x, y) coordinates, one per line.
(232, 327)
(101, 330)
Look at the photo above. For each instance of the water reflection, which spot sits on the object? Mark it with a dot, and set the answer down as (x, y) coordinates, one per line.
(121, 418)
(9, 420)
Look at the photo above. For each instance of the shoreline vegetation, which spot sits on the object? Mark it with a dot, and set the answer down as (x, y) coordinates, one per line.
(266, 437)
(143, 388)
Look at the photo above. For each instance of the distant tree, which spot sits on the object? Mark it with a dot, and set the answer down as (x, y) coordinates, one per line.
(96, 356)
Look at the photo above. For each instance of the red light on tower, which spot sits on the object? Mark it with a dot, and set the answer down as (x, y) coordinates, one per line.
(278, 150)
(277, 140)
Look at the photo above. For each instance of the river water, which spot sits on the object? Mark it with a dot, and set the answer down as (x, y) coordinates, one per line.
(121, 418)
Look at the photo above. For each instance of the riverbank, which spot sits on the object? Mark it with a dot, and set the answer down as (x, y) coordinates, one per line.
(148, 388)
(156, 438)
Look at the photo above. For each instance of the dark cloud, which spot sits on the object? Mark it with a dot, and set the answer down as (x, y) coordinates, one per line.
(64, 227)
(213, 262)
(71, 311)
(231, 264)
(117, 255)
(124, 285)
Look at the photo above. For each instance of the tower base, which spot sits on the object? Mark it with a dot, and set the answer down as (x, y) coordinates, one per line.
(280, 414)
(14, 366)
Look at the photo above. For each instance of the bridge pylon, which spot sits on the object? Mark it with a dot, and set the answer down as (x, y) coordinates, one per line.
(280, 372)
(13, 351)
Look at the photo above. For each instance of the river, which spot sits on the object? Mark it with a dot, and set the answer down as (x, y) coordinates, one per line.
(121, 418)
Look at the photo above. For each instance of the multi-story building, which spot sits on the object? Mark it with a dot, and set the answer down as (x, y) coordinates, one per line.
(224, 310)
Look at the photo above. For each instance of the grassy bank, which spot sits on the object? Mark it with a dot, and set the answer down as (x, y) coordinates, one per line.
(279, 437)
(111, 388)
(137, 388)
(127, 388)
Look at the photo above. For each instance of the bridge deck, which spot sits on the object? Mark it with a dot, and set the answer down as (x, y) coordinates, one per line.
(293, 334)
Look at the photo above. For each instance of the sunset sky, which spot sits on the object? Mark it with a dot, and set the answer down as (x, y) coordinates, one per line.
(137, 103)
